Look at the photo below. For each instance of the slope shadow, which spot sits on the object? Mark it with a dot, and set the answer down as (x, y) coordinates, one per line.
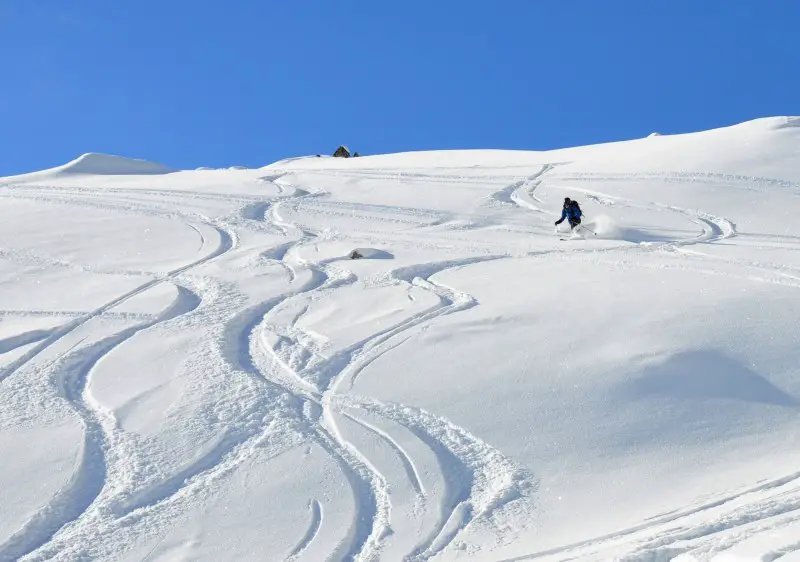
(708, 375)
(13, 342)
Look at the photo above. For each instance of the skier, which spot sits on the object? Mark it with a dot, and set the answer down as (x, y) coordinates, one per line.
(572, 212)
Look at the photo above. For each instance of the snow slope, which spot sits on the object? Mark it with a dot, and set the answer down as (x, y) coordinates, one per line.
(191, 368)
(93, 163)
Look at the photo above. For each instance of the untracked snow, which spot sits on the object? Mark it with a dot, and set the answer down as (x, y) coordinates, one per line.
(93, 163)
(397, 358)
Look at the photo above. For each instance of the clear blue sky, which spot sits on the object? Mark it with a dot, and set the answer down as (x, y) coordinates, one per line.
(202, 83)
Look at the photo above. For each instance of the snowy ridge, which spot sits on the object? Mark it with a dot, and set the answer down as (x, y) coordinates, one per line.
(206, 374)
(93, 163)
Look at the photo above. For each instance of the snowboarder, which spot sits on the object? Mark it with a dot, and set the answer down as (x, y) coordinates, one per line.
(572, 212)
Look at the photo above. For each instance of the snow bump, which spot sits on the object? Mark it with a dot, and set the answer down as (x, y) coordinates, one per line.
(108, 164)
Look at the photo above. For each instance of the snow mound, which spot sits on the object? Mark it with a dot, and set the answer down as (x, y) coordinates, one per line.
(110, 165)
(655, 134)
(95, 164)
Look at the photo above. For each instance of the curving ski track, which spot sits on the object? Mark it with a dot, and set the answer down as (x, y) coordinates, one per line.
(372, 518)
(88, 479)
(315, 509)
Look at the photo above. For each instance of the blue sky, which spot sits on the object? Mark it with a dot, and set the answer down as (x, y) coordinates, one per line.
(240, 82)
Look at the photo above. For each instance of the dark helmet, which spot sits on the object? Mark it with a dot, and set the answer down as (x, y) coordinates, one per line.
(566, 200)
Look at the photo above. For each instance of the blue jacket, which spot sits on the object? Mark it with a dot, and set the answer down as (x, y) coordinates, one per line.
(572, 212)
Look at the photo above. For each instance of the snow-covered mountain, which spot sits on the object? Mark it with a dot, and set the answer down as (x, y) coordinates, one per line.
(194, 369)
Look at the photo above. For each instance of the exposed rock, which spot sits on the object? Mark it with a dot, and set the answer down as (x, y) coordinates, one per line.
(369, 254)
(342, 152)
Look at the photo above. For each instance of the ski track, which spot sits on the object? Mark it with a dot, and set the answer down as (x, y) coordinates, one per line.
(87, 482)
(408, 463)
(321, 408)
(367, 485)
(660, 537)
(315, 509)
(13, 342)
(738, 181)
(521, 193)
(89, 477)
(478, 480)
(225, 244)
(457, 510)
(237, 348)
(714, 227)
(665, 537)
(171, 485)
